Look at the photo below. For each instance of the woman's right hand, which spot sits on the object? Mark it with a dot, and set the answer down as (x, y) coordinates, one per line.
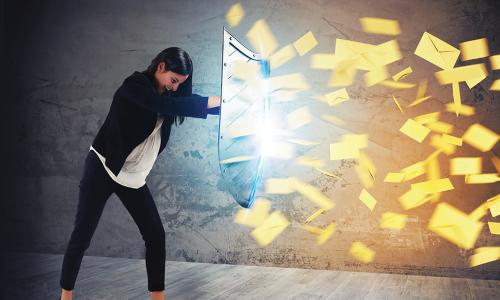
(213, 101)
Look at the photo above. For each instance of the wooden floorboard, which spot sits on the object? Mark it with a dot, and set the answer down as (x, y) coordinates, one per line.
(36, 276)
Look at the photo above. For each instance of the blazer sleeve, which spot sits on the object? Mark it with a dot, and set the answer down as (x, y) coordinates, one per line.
(214, 110)
(138, 90)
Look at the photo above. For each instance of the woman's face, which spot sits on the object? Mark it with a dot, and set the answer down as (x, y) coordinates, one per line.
(168, 80)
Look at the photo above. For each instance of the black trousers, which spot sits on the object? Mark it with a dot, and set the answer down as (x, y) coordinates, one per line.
(95, 188)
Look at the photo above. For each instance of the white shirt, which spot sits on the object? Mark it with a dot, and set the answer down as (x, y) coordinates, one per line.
(139, 162)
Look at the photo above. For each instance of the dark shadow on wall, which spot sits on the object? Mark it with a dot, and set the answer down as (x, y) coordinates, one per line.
(19, 19)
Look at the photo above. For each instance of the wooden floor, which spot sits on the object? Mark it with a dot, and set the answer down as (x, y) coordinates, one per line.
(37, 277)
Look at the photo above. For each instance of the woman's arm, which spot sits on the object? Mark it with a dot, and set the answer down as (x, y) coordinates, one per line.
(137, 89)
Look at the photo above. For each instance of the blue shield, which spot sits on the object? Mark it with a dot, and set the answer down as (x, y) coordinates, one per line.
(243, 110)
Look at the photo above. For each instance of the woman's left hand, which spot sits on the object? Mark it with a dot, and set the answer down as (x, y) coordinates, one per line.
(213, 101)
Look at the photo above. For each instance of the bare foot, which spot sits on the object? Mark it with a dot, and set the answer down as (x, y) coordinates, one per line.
(66, 295)
(160, 295)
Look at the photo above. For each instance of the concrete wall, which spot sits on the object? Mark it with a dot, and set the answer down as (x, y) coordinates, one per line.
(66, 58)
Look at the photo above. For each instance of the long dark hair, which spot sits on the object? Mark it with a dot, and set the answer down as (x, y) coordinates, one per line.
(178, 61)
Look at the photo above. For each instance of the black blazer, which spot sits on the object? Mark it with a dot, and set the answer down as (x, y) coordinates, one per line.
(133, 115)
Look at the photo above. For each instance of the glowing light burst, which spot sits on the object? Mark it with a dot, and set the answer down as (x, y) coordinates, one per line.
(264, 130)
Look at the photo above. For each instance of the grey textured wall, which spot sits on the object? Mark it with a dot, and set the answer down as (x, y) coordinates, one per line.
(66, 59)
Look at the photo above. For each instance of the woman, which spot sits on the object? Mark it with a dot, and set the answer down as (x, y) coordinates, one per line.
(135, 132)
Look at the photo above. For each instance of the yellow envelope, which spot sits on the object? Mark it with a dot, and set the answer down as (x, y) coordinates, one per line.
(457, 99)
(315, 215)
(427, 118)
(464, 110)
(438, 142)
(432, 156)
(479, 212)
(254, 216)
(484, 255)
(433, 186)
(270, 229)
(367, 199)
(437, 52)
(397, 104)
(482, 178)
(450, 139)
(495, 86)
(343, 151)
(323, 234)
(380, 26)
(433, 173)
(402, 74)
(311, 192)
(413, 171)
(393, 220)
(278, 186)
(480, 137)
(394, 177)
(361, 252)
(380, 55)
(345, 49)
(472, 74)
(422, 88)
(494, 227)
(465, 165)
(474, 49)
(433, 169)
(262, 39)
(481, 74)
(312, 229)
(305, 43)
(234, 15)
(244, 71)
(413, 198)
(355, 140)
(326, 233)
(495, 206)
(495, 62)
(441, 127)
(415, 130)
(455, 226)
(337, 97)
(419, 100)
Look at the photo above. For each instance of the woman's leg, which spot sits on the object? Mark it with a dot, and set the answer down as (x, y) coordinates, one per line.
(95, 188)
(142, 208)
